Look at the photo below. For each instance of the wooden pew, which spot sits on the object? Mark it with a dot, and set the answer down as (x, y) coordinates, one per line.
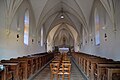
(39, 61)
(28, 66)
(20, 69)
(108, 71)
(11, 71)
(43, 59)
(1, 72)
(92, 69)
(23, 68)
(33, 63)
(36, 62)
(113, 74)
(89, 65)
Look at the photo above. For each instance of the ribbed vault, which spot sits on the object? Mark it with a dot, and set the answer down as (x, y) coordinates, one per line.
(76, 15)
(62, 7)
(62, 35)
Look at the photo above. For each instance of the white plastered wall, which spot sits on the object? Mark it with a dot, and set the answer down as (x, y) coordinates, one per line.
(10, 45)
(109, 46)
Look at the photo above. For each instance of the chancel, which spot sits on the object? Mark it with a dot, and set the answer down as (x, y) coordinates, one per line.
(59, 40)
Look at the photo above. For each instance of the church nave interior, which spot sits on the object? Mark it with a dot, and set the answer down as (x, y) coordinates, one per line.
(33, 33)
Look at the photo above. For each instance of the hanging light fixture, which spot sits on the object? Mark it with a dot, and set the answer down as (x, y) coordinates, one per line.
(62, 16)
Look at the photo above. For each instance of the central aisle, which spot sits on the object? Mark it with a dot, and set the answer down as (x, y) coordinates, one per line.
(45, 73)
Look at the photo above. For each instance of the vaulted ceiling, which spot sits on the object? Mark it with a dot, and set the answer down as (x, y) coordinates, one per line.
(76, 14)
(45, 8)
(47, 13)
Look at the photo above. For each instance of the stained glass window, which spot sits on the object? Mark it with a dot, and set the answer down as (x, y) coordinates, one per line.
(97, 28)
(42, 36)
(26, 27)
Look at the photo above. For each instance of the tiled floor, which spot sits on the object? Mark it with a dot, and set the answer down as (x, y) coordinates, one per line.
(45, 74)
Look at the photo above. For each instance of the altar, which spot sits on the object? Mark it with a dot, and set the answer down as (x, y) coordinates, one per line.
(63, 50)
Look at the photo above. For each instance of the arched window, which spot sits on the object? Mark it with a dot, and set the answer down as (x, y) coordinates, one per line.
(26, 27)
(83, 36)
(97, 27)
(42, 36)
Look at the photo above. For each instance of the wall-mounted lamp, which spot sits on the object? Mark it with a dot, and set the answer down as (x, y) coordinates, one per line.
(33, 35)
(38, 41)
(104, 28)
(45, 43)
(32, 40)
(18, 29)
(17, 35)
(91, 39)
(105, 37)
(90, 34)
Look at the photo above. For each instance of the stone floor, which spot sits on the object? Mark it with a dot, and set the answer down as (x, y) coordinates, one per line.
(45, 74)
